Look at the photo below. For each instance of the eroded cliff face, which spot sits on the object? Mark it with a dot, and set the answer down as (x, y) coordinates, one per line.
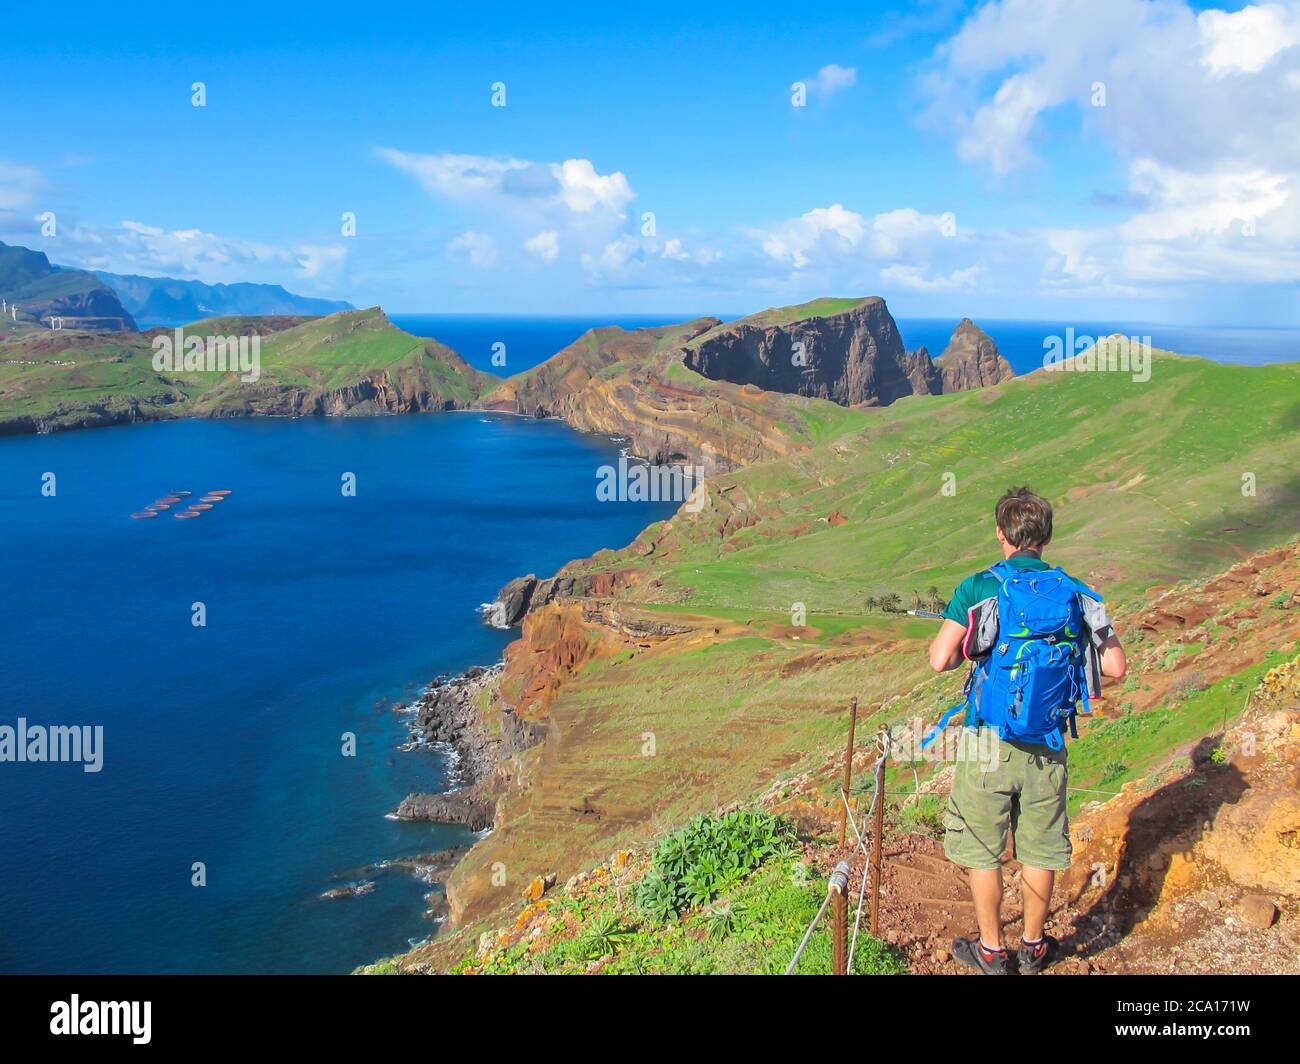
(971, 360)
(621, 383)
(409, 390)
(527, 593)
(556, 641)
(852, 358)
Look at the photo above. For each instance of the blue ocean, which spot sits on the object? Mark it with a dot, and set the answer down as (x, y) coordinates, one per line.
(223, 743)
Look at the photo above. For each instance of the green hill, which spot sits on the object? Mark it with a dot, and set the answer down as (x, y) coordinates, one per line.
(351, 362)
(42, 291)
(1147, 480)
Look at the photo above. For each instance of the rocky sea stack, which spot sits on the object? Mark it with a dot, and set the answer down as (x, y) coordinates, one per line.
(971, 360)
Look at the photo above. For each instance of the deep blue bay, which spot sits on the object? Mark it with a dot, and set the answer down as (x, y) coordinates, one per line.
(223, 744)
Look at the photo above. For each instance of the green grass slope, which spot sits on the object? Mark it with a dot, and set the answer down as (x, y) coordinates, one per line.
(1147, 480)
(824, 307)
(72, 379)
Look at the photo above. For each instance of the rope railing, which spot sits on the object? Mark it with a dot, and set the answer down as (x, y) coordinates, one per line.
(838, 884)
(835, 886)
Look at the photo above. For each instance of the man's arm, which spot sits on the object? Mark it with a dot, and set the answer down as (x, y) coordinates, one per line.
(1113, 662)
(945, 651)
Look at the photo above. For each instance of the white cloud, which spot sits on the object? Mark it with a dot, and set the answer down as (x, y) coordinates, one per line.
(676, 251)
(831, 79)
(478, 249)
(572, 186)
(320, 261)
(1242, 42)
(914, 278)
(136, 247)
(584, 190)
(1203, 107)
(831, 234)
(614, 256)
(1185, 204)
(1161, 65)
(830, 229)
(519, 212)
(545, 245)
(672, 249)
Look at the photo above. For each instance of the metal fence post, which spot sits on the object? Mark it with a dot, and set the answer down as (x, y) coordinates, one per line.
(848, 770)
(839, 888)
(878, 831)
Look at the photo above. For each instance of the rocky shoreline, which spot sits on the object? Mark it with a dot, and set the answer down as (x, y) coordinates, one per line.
(451, 712)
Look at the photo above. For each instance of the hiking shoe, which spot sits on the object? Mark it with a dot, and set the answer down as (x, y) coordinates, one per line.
(971, 953)
(1030, 960)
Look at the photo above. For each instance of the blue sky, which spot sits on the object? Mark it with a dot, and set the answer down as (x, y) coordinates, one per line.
(951, 157)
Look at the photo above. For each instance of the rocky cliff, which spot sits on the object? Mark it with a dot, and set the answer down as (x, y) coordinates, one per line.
(407, 390)
(971, 360)
(631, 384)
(854, 357)
(713, 393)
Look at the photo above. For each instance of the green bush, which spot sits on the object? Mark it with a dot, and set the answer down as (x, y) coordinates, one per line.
(1113, 770)
(706, 858)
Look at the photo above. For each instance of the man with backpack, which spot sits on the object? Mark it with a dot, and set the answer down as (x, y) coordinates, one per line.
(1038, 641)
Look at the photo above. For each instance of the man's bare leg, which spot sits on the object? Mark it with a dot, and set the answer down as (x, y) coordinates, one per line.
(1036, 888)
(986, 891)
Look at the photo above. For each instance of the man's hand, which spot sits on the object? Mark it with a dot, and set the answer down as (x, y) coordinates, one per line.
(945, 651)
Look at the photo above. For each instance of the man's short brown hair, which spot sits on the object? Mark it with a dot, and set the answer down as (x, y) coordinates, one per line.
(1025, 518)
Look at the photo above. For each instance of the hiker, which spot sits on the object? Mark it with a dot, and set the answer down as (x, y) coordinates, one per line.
(1039, 641)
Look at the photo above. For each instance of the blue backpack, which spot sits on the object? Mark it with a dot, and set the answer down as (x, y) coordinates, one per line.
(1029, 686)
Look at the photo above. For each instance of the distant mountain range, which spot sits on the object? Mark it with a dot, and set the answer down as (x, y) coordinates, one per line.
(42, 292)
(87, 299)
(169, 301)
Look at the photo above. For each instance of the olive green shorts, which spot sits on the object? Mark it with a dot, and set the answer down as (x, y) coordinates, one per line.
(1021, 790)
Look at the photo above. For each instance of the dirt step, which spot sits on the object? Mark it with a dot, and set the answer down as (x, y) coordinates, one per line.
(901, 867)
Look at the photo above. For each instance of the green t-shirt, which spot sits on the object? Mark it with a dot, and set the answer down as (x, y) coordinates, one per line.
(982, 585)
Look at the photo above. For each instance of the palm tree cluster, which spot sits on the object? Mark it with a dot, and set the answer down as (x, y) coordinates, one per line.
(892, 602)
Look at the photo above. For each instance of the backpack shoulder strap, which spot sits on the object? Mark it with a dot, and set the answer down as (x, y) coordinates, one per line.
(964, 704)
(1000, 571)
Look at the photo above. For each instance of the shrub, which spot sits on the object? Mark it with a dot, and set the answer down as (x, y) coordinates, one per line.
(601, 937)
(1113, 771)
(693, 866)
(725, 918)
(1185, 686)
